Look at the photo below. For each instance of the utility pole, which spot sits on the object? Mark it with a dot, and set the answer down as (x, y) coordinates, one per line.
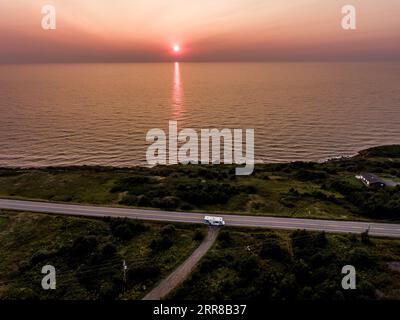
(124, 269)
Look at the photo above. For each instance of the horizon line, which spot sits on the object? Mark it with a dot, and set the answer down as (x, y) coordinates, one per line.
(205, 61)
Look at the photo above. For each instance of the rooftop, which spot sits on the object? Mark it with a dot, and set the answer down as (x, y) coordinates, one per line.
(371, 178)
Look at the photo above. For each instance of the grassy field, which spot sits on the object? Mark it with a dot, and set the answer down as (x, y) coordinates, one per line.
(312, 190)
(244, 264)
(248, 264)
(88, 255)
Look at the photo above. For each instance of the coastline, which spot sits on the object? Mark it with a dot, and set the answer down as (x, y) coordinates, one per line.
(296, 189)
(257, 162)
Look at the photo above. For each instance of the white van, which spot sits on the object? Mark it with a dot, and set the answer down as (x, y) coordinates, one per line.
(214, 221)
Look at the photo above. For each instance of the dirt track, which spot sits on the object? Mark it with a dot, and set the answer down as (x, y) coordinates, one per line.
(183, 271)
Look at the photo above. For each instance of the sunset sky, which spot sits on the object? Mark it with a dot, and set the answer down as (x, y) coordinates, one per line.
(206, 30)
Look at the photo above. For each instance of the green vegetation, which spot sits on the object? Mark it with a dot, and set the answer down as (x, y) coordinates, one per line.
(243, 264)
(299, 189)
(248, 264)
(88, 255)
(390, 151)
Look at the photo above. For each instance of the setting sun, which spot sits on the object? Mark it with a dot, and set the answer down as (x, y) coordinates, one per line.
(176, 48)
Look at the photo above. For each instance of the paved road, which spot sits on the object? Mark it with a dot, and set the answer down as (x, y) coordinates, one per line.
(183, 271)
(378, 229)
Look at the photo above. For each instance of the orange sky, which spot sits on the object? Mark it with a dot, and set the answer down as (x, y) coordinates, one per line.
(207, 30)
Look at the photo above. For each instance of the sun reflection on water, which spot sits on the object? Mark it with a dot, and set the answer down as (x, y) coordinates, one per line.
(177, 94)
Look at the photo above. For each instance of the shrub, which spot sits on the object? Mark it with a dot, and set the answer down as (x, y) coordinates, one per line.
(204, 193)
(40, 256)
(247, 189)
(168, 203)
(161, 244)
(108, 250)
(129, 183)
(361, 257)
(129, 200)
(21, 294)
(213, 261)
(144, 201)
(225, 239)
(125, 229)
(264, 176)
(272, 250)
(123, 232)
(301, 271)
(187, 207)
(142, 272)
(168, 230)
(83, 246)
(108, 291)
(392, 151)
(320, 240)
(306, 175)
(257, 205)
(198, 235)
(248, 267)
(319, 195)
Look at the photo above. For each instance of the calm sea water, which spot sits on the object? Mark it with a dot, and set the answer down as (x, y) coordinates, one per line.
(99, 114)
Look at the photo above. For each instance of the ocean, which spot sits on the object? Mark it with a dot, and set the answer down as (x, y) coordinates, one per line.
(99, 114)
